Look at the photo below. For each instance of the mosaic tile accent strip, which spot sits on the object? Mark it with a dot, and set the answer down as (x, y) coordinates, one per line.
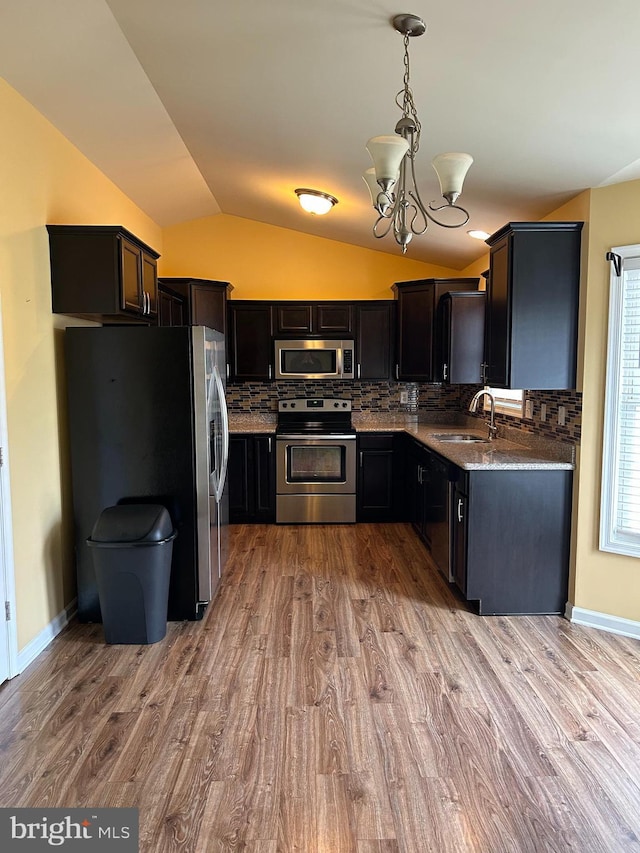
(433, 400)
(379, 397)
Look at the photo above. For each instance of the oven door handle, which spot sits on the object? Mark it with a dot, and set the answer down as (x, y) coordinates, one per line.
(307, 437)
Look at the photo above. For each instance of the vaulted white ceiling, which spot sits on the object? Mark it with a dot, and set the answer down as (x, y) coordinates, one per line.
(201, 106)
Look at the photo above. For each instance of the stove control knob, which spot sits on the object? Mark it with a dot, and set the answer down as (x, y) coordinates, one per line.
(293, 405)
(336, 405)
(284, 405)
(344, 405)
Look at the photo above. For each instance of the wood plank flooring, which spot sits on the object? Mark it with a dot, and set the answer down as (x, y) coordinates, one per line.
(338, 697)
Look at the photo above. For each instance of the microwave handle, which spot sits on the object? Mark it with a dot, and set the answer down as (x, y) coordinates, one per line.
(340, 361)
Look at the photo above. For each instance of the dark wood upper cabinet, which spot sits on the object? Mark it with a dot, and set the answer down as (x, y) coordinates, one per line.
(460, 337)
(250, 346)
(102, 273)
(417, 359)
(205, 301)
(317, 318)
(253, 324)
(172, 308)
(334, 319)
(375, 335)
(533, 292)
(293, 319)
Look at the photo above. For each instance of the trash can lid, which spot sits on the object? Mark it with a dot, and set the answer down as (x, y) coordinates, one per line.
(133, 523)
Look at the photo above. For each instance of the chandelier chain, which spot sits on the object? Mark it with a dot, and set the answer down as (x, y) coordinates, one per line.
(404, 99)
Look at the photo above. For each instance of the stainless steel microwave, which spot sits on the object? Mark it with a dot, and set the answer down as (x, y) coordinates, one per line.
(314, 359)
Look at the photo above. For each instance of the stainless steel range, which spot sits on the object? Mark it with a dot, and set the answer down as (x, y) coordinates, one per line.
(315, 461)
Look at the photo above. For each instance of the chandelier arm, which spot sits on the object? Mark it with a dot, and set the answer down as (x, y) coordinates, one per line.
(447, 206)
(389, 220)
(418, 211)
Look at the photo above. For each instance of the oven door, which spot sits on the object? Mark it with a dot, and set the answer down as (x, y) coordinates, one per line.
(316, 465)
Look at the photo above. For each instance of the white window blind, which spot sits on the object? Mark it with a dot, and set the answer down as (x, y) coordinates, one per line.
(620, 498)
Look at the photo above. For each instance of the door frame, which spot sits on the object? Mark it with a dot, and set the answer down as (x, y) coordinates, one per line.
(7, 577)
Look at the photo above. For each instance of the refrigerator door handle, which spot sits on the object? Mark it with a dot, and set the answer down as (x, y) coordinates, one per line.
(222, 474)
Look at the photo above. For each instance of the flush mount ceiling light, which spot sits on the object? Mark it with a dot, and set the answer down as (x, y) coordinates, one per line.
(314, 201)
(478, 235)
(392, 181)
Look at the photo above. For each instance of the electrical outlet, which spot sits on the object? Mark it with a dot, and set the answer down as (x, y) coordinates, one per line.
(543, 412)
(404, 398)
(528, 409)
(562, 414)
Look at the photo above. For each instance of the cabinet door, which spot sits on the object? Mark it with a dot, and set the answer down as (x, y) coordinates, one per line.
(374, 341)
(498, 331)
(251, 473)
(415, 333)
(333, 319)
(532, 305)
(375, 478)
(264, 479)
(460, 338)
(131, 276)
(171, 308)
(150, 282)
(209, 306)
(251, 346)
(238, 474)
(293, 319)
(415, 480)
(459, 538)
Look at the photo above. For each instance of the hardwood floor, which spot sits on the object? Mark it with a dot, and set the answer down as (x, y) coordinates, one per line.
(338, 698)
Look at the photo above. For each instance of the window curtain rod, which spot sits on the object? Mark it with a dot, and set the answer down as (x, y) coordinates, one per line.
(617, 262)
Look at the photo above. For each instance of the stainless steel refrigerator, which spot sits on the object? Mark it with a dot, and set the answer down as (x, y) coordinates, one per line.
(148, 423)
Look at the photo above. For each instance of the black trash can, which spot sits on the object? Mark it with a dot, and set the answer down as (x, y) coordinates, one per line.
(132, 546)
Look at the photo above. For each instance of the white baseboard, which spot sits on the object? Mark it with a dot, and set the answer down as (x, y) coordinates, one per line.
(602, 621)
(39, 643)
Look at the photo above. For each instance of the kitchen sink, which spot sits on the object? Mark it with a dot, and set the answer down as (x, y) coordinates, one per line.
(467, 437)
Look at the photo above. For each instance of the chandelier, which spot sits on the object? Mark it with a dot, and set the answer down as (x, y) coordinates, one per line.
(392, 181)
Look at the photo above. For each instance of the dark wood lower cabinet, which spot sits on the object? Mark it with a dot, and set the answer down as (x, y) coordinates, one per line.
(375, 501)
(510, 539)
(251, 476)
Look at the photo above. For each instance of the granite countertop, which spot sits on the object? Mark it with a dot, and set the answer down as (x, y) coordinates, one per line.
(257, 422)
(503, 453)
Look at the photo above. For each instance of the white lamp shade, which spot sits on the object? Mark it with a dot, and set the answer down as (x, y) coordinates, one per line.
(451, 170)
(369, 177)
(387, 153)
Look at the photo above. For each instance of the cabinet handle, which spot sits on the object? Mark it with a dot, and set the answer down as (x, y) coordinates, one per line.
(228, 370)
(361, 457)
(269, 444)
(269, 371)
(444, 371)
(358, 371)
(397, 371)
(460, 510)
(420, 474)
(483, 372)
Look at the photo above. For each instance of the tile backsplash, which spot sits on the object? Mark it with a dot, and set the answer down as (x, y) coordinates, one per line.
(384, 398)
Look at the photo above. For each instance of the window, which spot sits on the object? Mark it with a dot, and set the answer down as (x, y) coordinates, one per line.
(507, 402)
(620, 497)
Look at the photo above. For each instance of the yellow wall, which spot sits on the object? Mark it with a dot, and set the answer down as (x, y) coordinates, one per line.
(44, 179)
(267, 262)
(608, 583)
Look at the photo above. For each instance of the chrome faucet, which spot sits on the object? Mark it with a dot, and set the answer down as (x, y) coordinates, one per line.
(473, 407)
